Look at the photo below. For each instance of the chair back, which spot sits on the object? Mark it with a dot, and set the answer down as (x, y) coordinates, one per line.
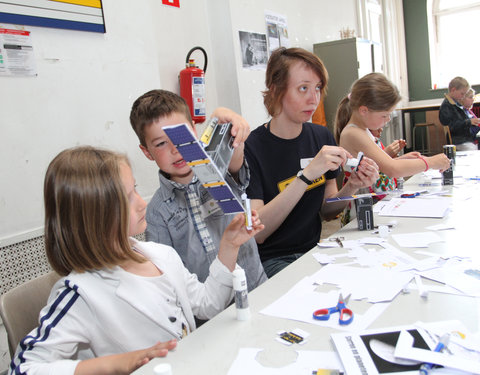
(20, 307)
(447, 134)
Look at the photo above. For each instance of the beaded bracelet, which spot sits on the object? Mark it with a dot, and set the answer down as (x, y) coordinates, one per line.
(426, 164)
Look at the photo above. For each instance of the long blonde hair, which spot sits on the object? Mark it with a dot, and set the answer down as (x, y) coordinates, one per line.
(86, 211)
(374, 91)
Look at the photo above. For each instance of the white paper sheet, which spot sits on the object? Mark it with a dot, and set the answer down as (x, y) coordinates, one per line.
(416, 207)
(302, 300)
(416, 239)
(306, 362)
(363, 282)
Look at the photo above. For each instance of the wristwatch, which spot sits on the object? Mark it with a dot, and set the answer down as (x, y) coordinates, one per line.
(303, 178)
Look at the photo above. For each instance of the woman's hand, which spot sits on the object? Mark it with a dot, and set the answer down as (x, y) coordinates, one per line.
(366, 175)
(329, 158)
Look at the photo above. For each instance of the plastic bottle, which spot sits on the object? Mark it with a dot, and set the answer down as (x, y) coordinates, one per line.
(400, 182)
(241, 294)
(162, 369)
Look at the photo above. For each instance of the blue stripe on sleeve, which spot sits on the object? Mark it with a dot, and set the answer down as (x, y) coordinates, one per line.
(47, 322)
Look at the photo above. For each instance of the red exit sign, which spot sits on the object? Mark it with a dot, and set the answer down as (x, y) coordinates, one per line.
(173, 3)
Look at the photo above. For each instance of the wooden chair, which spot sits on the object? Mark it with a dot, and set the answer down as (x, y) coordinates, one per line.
(20, 307)
(447, 135)
(427, 146)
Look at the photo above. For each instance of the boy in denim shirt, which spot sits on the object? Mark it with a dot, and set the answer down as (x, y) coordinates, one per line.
(182, 213)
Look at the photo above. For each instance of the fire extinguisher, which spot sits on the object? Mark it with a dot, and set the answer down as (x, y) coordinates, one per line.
(192, 86)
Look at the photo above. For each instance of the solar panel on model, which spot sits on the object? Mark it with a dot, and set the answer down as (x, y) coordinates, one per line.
(202, 163)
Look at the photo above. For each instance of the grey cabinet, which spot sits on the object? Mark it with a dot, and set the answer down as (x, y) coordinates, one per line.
(346, 60)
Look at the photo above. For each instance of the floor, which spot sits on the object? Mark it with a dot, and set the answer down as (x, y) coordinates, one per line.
(328, 228)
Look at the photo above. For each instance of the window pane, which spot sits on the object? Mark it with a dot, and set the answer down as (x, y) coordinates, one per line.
(447, 4)
(456, 48)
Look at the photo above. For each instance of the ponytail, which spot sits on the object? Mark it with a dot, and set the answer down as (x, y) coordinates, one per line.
(344, 112)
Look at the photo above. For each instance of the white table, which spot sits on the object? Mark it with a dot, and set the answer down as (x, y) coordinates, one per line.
(212, 348)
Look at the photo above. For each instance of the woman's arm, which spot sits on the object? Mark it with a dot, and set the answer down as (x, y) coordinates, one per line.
(274, 213)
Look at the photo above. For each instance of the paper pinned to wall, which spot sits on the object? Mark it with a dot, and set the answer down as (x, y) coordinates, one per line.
(16, 53)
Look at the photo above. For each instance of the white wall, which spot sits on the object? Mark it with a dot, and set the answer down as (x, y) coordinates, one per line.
(87, 82)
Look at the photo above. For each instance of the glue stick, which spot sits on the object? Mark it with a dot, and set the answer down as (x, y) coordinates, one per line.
(241, 294)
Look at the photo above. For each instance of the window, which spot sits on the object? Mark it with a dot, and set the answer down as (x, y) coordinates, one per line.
(453, 33)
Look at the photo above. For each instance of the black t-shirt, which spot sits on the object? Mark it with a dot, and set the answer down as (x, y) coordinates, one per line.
(273, 163)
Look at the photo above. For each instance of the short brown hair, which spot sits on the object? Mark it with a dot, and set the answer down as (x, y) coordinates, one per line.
(276, 79)
(458, 83)
(374, 91)
(86, 211)
(153, 105)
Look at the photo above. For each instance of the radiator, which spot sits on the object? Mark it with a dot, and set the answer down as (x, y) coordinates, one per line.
(25, 260)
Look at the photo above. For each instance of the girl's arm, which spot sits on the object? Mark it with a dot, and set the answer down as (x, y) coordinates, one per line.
(355, 140)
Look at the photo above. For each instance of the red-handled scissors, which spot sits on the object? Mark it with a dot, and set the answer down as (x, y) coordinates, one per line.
(346, 315)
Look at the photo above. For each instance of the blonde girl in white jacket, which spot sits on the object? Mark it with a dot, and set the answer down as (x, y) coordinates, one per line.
(120, 302)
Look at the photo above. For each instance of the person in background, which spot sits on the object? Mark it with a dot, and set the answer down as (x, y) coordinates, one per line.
(368, 107)
(120, 302)
(182, 213)
(463, 128)
(467, 104)
(294, 163)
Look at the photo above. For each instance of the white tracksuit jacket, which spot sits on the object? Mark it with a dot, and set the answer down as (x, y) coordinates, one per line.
(98, 313)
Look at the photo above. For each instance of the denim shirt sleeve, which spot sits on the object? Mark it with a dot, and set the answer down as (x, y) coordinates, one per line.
(243, 178)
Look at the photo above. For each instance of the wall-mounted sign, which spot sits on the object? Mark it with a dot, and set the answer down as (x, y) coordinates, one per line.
(85, 15)
(173, 3)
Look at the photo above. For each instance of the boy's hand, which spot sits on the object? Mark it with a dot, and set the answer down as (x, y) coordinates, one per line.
(124, 363)
(240, 127)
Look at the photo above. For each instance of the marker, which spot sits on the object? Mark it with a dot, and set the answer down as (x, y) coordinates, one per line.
(442, 344)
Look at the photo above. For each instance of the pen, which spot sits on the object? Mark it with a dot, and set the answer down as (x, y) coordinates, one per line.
(442, 344)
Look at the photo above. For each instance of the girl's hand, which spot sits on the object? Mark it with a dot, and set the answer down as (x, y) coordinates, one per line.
(235, 235)
(395, 147)
(125, 363)
(366, 174)
(439, 161)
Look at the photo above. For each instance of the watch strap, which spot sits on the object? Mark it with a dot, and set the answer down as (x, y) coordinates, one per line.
(303, 178)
